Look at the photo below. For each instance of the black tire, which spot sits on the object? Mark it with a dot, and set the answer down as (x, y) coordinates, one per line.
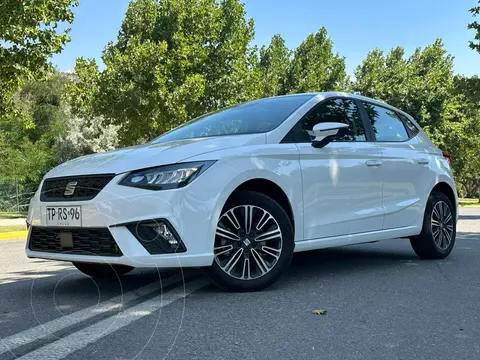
(425, 245)
(102, 271)
(278, 263)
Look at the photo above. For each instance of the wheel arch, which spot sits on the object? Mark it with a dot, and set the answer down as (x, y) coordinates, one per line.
(267, 179)
(446, 189)
(270, 189)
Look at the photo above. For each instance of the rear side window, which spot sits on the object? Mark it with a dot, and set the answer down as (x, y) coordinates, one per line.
(409, 125)
(335, 110)
(386, 124)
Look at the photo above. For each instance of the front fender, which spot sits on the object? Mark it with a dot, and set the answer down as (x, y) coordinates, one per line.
(278, 163)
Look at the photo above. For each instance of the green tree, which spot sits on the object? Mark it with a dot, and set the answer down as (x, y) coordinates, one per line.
(315, 67)
(370, 75)
(446, 106)
(28, 152)
(83, 91)
(28, 37)
(464, 136)
(273, 66)
(462, 140)
(421, 85)
(173, 60)
(475, 25)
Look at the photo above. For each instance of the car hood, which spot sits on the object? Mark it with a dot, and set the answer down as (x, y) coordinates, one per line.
(150, 155)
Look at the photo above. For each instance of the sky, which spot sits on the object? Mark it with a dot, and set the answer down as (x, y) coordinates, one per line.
(356, 27)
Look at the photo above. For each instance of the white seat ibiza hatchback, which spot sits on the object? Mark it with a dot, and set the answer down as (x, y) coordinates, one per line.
(238, 191)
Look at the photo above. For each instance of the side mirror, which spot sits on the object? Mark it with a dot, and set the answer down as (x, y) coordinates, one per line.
(326, 132)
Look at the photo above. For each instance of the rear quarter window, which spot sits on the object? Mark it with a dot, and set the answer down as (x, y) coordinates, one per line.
(412, 128)
(386, 124)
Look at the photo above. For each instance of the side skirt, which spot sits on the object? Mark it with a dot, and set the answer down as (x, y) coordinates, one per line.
(351, 239)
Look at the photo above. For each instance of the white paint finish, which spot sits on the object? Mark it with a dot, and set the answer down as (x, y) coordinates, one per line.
(278, 163)
(192, 210)
(49, 328)
(334, 192)
(78, 340)
(410, 171)
(405, 186)
(360, 238)
(341, 194)
(150, 155)
(323, 130)
(148, 261)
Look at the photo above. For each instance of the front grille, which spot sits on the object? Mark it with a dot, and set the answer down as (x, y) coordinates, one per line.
(86, 241)
(77, 188)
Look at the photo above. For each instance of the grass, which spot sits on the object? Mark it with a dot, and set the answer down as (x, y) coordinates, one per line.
(13, 215)
(468, 202)
(10, 228)
(470, 205)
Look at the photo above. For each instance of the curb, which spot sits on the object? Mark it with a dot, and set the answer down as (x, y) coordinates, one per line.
(13, 235)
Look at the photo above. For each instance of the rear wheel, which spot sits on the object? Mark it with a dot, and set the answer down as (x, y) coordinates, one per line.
(437, 238)
(253, 244)
(102, 271)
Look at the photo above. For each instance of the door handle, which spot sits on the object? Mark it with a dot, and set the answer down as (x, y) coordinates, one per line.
(375, 163)
(422, 161)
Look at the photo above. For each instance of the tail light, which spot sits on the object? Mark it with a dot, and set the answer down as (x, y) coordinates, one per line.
(448, 157)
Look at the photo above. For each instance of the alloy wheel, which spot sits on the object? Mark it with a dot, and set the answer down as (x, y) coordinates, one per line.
(248, 242)
(442, 225)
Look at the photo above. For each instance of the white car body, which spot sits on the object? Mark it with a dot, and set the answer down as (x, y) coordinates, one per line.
(345, 193)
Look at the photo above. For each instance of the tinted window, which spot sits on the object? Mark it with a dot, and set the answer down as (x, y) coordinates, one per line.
(409, 124)
(386, 124)
(252, 117)
(336, 110)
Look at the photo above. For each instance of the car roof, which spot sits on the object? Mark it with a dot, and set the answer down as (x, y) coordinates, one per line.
(330, 94)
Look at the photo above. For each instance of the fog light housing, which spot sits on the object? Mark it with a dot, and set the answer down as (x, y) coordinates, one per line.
(157, 236)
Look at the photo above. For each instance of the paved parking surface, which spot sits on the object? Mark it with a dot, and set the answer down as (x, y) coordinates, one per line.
(382, 302)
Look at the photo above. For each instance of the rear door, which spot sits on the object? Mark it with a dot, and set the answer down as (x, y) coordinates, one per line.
(342, 182)
(405, 165)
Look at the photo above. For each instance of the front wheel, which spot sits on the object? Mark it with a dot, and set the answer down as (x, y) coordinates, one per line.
(102, 271)
(254, 243)
(437, 238)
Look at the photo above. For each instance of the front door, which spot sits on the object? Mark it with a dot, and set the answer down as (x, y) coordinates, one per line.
(342, 182)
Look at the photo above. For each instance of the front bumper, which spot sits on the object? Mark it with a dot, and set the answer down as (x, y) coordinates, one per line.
(191, 211)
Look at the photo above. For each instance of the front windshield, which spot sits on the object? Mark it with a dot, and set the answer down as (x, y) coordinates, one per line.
(248, 118)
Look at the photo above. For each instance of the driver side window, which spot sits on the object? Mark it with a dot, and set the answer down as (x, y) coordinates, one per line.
(334, 110)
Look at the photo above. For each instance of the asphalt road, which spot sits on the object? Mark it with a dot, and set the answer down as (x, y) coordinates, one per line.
(382, 302)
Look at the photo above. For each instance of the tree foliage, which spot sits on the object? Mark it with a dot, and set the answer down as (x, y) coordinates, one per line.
(421, 85)
(424, 85)
(176, 59)
(173, 60)
(28, 152)
(84, 90)
(28, 37)
(273, 66)
(475, 25)
(464, 135)
(315, 67)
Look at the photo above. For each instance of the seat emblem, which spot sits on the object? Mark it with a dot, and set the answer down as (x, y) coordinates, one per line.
(70, 188)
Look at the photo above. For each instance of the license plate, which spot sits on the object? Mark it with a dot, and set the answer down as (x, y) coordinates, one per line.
(64, 215)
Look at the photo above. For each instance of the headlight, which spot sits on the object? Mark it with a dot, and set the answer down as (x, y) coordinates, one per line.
(166, 177)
